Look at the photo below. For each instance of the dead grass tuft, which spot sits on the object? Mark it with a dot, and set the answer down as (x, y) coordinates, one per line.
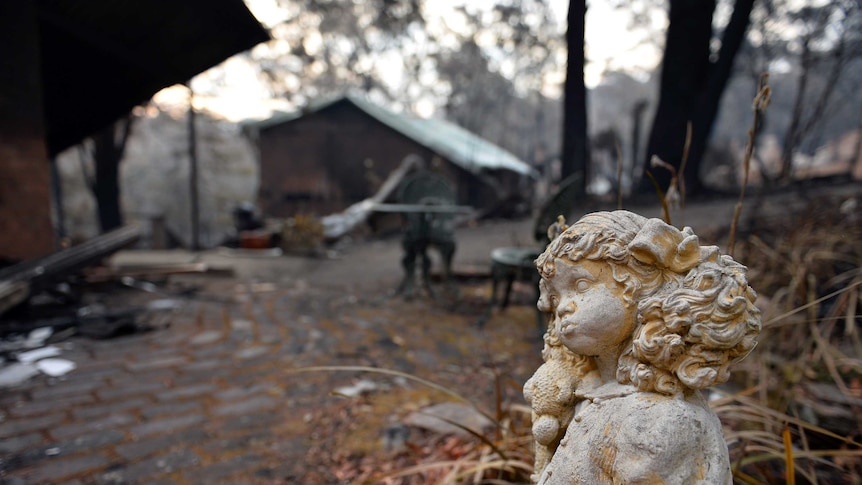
(801, 396)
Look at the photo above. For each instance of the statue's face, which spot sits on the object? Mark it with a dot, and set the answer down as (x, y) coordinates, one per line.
(586, 307)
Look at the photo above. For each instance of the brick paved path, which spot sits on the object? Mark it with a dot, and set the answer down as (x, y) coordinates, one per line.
(212, 397)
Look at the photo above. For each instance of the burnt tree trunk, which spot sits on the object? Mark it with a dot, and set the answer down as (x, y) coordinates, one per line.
(691, 87)
(108, 147)
(684, 72)
(706, 109)
(575, 158)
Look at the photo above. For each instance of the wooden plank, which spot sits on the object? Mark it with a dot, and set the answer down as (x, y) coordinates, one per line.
(12, 293)
(423, 208)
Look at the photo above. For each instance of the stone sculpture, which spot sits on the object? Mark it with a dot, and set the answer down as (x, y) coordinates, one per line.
(642, 318)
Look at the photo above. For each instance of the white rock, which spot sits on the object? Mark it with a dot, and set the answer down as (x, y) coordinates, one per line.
(33, 355)
(55, 367)
(361, 387)
(17, 373)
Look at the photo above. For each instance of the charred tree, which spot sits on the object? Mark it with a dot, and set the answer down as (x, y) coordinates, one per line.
(693, 78)
(575, 151)
(108, 148)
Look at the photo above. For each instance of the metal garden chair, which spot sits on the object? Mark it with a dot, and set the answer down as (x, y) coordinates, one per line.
(517, 263)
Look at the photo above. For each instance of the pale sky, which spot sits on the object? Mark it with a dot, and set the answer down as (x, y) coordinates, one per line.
(609, 45)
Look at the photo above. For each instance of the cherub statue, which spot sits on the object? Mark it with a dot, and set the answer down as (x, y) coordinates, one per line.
(642, 318)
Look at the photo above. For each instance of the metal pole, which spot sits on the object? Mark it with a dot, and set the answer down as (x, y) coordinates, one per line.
(193, 172)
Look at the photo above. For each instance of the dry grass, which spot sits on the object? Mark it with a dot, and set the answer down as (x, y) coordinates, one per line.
(501, 455)
(797, 417)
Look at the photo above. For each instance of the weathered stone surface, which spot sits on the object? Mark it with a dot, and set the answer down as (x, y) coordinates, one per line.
(20, 426)
(247, 406)
(143, 471)
(103, 423)
(8, 446)
(186, 392)
(59, 468)
(28, 409)
(149, 446)
(34, 456)
(162, 425)
(206, 338)
(98, 410)
(642, 319)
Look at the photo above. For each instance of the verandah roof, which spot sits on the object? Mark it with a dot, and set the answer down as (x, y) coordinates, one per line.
(100, 58)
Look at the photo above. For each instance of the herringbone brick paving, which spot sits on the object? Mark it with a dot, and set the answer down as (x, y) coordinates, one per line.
(213, 396)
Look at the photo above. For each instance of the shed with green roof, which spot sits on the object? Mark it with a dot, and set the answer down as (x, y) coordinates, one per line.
(338, 151)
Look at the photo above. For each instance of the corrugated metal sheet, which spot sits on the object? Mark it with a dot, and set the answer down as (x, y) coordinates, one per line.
(450, 141)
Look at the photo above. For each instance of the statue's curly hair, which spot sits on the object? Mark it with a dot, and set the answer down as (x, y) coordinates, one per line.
(695, 310)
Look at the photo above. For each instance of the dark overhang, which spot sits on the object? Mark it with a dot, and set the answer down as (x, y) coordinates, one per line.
(100, 58)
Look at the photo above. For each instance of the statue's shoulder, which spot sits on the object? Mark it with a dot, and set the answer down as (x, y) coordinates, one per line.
(669, 426)
(647, 418)
(680, 439)
(641, 411)
(641, 437)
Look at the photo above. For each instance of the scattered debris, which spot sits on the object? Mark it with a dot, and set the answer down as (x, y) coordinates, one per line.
(139, 284)
(250, 253)
(395, 438)
(41, 301)
(439, 418)
(16, 343)
(255, 288)
(37, 337)
(29, 277)
(206, 338)
(338, 225)
(26, 358)
(361, 387)
(102, 274)
(302, 234)
(12, 293)
(26, 346)
(92, 320)
(242, 324)
(55, 367)
(252, 352)
(32, 356)
(16, 373)
(159, 263)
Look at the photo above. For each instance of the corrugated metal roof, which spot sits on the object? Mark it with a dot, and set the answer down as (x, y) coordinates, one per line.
(463, 148)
